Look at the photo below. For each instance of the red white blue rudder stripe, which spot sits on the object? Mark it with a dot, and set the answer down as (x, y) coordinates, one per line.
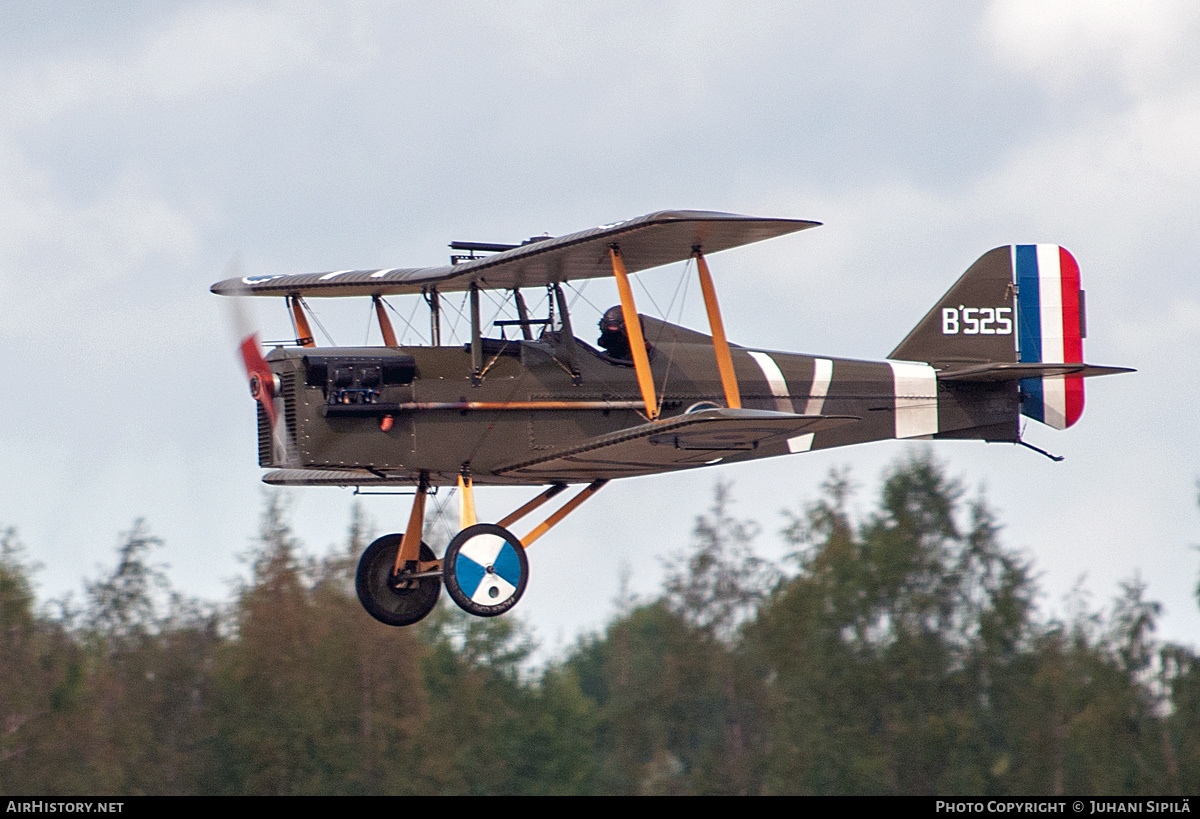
(1049, 331)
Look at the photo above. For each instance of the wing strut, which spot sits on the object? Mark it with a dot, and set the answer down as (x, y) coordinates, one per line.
(304, 336)
(733, 398)
(523, 312)
(633, 326)
(567, 335)
(435, 316)
(476, 339)
(385, 324)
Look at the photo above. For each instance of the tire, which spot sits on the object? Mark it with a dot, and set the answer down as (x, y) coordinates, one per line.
(485, 570)
(376, 584)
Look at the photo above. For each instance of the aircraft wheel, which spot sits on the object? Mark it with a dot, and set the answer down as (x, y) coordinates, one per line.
(388, 597)
(485, 569)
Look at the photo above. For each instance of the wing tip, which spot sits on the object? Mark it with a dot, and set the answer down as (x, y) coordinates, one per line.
(718, 216)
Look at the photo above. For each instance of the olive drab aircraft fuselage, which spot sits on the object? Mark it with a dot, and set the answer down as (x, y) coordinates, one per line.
(526, 402)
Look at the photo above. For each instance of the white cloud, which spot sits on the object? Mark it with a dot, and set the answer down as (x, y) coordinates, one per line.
(1061, 42)
(52, 248)
(206, 51)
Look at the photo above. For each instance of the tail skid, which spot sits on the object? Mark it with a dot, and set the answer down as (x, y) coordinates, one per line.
(1040, 451)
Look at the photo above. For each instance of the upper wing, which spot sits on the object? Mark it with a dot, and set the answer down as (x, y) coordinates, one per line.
(645, 242)
(687, 441)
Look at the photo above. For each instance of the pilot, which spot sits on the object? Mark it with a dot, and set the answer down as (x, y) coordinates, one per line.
(614, 340)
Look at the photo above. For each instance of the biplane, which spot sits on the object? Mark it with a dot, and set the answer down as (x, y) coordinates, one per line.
(547, 410)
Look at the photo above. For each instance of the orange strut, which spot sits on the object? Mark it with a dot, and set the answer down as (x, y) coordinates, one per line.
(410, 546)
(304, 336)
(533, 504)
(567, 508)
(385, 324)
(497, 406)
(733, 398)
(633, 327)
(466, 503)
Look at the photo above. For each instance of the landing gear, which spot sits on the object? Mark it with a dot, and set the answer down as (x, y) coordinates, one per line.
(397, 598)
(485, 569)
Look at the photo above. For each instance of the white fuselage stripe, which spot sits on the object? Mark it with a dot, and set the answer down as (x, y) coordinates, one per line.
(822, 375)
(775, 380)
(801, 443)
(915, 387)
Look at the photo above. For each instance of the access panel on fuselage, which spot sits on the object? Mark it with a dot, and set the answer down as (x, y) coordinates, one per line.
(311, 384)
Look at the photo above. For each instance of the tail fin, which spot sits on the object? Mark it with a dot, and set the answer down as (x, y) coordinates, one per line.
(1019, 304)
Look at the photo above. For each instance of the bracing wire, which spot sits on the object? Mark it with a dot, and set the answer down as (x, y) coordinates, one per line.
(536, 308)
(579, 294)
(367, 334)
(578, 291)
(683, 283)
(440, 507)
(650, 296)
(499, 304)
(408, 325)
(460, 314)
(316, 319)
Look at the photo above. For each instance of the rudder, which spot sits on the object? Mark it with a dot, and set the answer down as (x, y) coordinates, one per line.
(1050, 319)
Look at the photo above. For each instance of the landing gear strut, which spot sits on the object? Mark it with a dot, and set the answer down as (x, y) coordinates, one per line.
(485, 569)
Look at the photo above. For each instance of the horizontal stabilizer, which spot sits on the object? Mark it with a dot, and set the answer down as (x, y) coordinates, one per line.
(647, 241)
(682, 442)
(1015, 371)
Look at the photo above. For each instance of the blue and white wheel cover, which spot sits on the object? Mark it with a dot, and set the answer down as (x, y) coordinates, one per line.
(475, 557)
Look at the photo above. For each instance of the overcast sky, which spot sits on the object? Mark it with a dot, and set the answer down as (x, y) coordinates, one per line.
(143, 144)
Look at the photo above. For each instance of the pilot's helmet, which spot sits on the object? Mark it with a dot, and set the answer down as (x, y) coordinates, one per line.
(613, 320)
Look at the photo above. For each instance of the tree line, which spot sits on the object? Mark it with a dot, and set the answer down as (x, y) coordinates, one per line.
(896, 653)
